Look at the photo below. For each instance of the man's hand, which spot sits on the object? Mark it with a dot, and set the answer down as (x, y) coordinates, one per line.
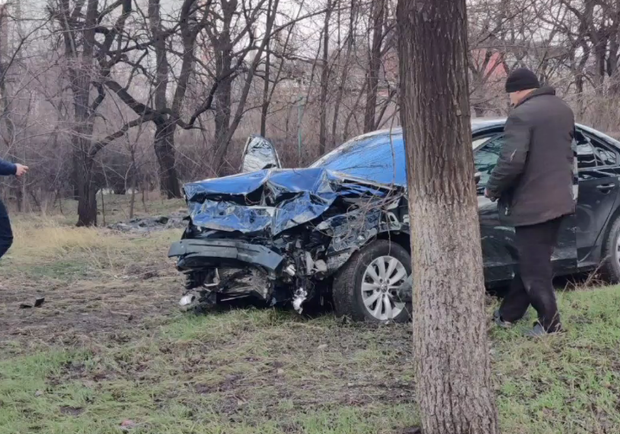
(21, 170)
(488, 195)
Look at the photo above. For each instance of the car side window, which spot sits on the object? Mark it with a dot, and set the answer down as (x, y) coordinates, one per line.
(591, 153)
(605, 155)
(586, 158)
(485, 158)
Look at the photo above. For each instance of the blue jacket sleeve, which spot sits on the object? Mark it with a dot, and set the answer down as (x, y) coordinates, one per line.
(7, 168)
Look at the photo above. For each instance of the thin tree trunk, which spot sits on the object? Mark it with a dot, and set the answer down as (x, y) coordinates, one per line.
(374, 65)
(102, 207)
(324, 82)
(59, 196)
(353, 111)
(87, 203)
(344, 72)
(452, 362)
(133, 175)
(266, 100)
(132, 202)
(144, 193)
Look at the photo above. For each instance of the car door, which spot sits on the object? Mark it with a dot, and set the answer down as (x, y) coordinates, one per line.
(598, 191)
(498, 243)
(259, 154)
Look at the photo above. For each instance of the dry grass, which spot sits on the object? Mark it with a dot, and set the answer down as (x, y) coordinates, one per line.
(43, 243)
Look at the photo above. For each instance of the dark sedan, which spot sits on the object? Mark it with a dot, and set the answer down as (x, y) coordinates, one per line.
(340, 228)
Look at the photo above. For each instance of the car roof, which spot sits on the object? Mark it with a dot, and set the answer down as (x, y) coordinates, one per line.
(481, 124)
(477, 124)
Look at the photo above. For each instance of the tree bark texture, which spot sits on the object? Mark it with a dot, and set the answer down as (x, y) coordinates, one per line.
(166, 156)
(452, 361)
(83, 127)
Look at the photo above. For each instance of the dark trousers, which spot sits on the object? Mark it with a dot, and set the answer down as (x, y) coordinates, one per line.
(532, 283)
(6, 235)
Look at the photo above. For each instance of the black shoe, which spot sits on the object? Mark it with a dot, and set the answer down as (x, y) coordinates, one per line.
(539, 331)
(499, 321)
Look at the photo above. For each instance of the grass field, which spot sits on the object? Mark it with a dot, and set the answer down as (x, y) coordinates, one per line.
(108, 347)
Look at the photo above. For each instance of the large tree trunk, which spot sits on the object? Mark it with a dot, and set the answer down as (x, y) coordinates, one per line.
(374, 65)
(223, 113)
(222, 45)
(164, 149)
(83, 128)
(164, 130)
(450, 343)
(87, 193)
(223, 110)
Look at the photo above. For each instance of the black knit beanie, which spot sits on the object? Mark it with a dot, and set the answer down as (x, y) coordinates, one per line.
(521, 79)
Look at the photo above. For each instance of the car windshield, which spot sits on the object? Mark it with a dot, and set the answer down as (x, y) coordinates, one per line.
(375, 157)
(378, 157)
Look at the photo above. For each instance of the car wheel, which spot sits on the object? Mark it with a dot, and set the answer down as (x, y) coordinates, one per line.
(365, 288)
(611, 254)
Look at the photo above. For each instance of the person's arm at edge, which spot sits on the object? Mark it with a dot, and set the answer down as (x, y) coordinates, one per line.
(511, 162)
(7, 169)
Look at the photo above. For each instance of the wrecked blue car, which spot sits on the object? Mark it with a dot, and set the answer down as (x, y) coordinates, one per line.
(339, 229)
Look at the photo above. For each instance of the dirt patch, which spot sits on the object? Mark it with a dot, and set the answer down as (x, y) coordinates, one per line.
(78, 312)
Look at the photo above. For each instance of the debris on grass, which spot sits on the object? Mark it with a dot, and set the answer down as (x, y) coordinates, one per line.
(149, 224)
(71, 411)
(37, 303)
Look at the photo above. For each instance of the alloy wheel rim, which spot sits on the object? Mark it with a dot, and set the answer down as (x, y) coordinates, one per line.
(381, 280)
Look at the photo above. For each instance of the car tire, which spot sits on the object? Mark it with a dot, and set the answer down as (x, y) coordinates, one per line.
(610, 268)
(356, 285)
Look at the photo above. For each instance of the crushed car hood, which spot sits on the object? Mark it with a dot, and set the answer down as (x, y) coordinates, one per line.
(273, 200)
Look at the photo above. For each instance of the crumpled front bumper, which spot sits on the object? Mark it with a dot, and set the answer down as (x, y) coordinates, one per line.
(201, 250)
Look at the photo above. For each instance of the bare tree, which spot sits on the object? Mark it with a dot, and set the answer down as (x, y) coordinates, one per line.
(378, 13)
(223, 43)
(452, 363)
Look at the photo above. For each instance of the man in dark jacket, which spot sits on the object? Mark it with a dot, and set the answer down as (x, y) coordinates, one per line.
(534, 183)
(6, 234)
